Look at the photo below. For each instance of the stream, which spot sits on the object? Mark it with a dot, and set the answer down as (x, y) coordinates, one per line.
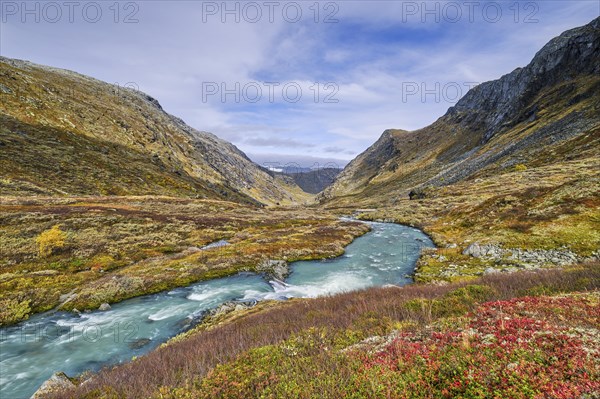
(32, 351)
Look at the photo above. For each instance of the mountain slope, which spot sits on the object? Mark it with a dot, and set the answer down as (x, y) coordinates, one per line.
(62, 133)
(546, 112)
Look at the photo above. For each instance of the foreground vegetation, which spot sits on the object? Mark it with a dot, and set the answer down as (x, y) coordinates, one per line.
(77, 253)
(503, 335)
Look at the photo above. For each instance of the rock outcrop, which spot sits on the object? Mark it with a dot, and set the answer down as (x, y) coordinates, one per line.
(273, 268)
(504, 102)
(525, 257)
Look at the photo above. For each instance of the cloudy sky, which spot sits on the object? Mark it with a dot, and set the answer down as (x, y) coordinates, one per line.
(305, 81)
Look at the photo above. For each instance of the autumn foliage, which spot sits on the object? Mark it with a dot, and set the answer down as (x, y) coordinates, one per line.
(51, 240)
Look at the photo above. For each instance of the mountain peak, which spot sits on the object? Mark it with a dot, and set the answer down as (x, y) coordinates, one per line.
(494, 104)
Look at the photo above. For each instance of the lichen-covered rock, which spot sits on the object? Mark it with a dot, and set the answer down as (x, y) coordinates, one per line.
(58, 381)
(229, 307)
(277, 269)
(525, 257)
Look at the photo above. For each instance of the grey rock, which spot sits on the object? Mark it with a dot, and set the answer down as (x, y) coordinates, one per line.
(526, 258)
(277, 269)
(45, 272)
(216, 244)
(57, 382)
(5, 89)
(229, 307)
(139, 343)
(67, 297)
(474, 250)
(104, 307)
(488, 250)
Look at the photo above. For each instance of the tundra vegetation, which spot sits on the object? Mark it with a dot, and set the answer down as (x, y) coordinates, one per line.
(546, 208)
(77, 253)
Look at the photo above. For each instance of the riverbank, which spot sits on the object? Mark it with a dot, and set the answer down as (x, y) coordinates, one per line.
(536, 217)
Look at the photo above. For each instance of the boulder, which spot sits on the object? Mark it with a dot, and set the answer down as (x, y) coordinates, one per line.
(104, 306)
(474, 250)
(418, 193)
(139, 343)
(57, 382)
(277, 269)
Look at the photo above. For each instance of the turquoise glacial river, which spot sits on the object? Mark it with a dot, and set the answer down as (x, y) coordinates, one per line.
(58, 341)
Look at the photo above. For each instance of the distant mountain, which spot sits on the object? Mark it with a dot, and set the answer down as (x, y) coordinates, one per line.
(312, 181)
(544, 113)
(62, 133)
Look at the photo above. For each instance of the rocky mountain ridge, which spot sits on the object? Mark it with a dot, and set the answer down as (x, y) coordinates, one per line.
(502, 103)
(547, 111)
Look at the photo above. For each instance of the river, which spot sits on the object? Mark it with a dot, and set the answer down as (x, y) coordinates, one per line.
(58, 341)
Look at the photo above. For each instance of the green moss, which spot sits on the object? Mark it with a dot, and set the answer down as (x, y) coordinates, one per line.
(12, 311)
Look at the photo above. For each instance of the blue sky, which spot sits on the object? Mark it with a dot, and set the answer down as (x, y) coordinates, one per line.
(389, 64)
